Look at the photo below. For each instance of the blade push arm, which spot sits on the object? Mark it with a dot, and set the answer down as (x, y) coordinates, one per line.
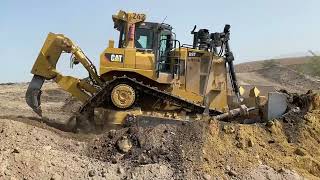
(53, 47)
(45, 69)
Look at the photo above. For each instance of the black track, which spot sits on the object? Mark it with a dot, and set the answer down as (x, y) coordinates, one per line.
(102, 98)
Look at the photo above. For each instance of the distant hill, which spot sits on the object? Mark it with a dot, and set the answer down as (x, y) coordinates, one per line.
(256, 65)
(297, 74)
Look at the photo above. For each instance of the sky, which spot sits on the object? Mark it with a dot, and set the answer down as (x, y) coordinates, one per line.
(260, 29)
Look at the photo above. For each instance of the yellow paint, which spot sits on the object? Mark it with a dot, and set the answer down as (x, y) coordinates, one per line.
(254, 92)
(130, 58)
(70, 84)
(144, 61)
(242, 90)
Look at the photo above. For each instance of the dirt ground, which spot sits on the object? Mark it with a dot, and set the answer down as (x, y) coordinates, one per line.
(281, 74)
(281, 77)
(285, 148)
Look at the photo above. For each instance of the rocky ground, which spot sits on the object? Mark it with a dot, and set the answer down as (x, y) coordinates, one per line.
(38, 148)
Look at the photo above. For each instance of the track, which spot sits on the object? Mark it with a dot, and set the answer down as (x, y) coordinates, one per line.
(101, 98)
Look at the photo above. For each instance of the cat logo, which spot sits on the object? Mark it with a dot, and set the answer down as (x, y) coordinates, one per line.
(114, 57)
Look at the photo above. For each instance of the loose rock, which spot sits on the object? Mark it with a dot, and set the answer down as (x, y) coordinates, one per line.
(124, 144)
(112, 133)
(270, 124)
(240, 145)
(120, 170)
(300, 152)
(250, 143)
(228, 168)
(92, 173)
(16, 150)
(207, 177)
(232, 173)
(228, 129)
(55, 177)
(103, 173)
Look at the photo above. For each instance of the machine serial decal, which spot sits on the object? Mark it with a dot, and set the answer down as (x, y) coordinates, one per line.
(114, 57)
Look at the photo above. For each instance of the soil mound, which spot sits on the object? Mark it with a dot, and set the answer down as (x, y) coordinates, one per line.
(178, 146)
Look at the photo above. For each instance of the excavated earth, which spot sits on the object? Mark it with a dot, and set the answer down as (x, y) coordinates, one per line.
(43, 148)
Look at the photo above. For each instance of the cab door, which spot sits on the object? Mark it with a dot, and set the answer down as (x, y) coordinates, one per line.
(144, 49)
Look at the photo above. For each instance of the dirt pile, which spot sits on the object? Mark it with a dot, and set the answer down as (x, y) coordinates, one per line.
(176, 146)
(278, 149)
(285, 148)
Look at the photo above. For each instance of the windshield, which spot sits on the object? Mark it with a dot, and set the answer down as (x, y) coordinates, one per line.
(143, 38)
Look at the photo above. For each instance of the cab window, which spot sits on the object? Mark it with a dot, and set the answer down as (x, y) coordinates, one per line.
(164, 50)
(164, 42)
(143, 38)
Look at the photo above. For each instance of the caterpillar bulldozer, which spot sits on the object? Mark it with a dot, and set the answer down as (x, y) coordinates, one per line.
(149, 69)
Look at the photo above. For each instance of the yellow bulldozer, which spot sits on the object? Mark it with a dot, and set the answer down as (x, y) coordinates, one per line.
(149, 69)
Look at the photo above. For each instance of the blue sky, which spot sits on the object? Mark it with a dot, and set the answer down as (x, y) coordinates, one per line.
(260, 29)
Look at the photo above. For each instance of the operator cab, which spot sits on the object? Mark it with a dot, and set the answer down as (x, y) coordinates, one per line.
(157, 39)
(147, 34)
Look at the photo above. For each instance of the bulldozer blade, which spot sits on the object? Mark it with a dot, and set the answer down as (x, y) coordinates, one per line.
(33, 94)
